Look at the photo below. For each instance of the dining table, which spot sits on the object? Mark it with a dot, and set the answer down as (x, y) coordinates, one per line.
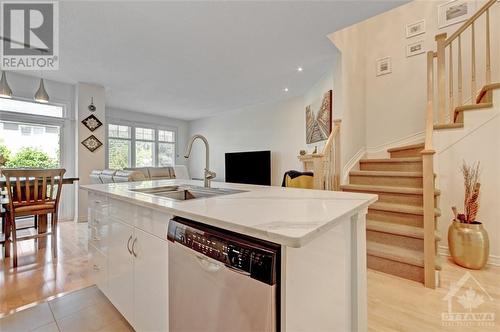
(42, 219)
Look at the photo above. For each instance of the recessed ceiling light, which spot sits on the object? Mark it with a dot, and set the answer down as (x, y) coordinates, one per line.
(285, 89)
(299, 69)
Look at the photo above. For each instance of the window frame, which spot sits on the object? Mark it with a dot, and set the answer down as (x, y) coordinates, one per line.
(129, 140)
(133, 125)
(33, 119)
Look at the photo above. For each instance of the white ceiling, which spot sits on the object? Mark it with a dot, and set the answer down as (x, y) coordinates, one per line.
(194, 59)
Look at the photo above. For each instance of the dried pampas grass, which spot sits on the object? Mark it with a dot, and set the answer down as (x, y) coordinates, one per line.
(472, 186)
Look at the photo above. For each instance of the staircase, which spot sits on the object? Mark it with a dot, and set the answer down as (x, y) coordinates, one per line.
(395, 227)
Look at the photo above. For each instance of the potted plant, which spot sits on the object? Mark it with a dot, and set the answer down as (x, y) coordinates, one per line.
(467, 239)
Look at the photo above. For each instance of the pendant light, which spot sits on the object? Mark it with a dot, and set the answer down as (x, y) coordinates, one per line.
(41, 95)
(5, 91)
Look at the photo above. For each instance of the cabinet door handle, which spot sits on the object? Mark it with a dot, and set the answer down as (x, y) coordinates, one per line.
(133, 247)
(128, 245)
(96, 267)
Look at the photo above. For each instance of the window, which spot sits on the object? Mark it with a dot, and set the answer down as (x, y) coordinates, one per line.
(30, 133)
(119, 146)
(130, 146)
(166, 148)
(25, 107)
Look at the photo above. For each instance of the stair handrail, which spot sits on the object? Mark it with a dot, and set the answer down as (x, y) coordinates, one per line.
(331, 159)
(446, 43)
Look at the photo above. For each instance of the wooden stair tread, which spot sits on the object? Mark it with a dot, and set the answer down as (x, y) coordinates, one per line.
(392, 160)
(456, 125)
(387, 173)
(406, 147)
(401, 208)
(398, 254)
(397, 229)
(386, 189)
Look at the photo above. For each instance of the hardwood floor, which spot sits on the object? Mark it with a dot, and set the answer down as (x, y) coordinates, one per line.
(394, 304)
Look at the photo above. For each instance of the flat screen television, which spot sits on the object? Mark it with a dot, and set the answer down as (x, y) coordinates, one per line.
(249, 167)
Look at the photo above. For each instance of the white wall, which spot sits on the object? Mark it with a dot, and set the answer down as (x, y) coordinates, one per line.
(392, 106)
(115, 115)
(279, 127)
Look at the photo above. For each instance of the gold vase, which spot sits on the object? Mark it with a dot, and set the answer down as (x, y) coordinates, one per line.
(469, 244)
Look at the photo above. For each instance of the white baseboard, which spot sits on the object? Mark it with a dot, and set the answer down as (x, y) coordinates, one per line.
(351, 164)
(493, 260)
(380, 151)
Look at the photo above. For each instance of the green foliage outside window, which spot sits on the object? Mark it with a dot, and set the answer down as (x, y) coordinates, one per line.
(28, 157)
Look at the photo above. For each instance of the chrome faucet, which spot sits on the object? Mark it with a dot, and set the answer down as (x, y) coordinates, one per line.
(209, 175)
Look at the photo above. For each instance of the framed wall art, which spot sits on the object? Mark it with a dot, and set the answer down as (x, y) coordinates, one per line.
(319, 119)
(415, 29)
(415, 48)
(384, 66)
(455, 11)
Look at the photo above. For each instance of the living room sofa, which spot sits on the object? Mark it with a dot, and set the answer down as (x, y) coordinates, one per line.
(139, 174)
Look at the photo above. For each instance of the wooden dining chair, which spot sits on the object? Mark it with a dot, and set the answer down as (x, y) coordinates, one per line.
(32, 192)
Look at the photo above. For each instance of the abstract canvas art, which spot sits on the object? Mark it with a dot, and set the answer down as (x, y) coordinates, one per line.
(319, 119)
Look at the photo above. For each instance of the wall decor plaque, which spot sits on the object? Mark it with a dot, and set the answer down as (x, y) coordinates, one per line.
(92, 143)
(91, 122)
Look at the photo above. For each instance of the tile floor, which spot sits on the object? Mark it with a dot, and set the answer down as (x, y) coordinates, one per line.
(80, 311)
(37, 277)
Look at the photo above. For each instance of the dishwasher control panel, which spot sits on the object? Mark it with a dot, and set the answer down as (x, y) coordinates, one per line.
(236, 251)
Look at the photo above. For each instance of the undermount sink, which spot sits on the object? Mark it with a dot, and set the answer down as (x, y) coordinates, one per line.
(186, 192)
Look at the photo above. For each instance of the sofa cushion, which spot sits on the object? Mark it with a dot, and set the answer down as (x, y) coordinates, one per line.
(161, 173)
(143, 170)
(95, 176)
(107, 175)
(128, 176)
(181, 172)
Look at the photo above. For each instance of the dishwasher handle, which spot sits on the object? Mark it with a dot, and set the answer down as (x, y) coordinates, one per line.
(208, 265)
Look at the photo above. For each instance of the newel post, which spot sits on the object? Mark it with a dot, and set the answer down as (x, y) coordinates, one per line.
(441, 76)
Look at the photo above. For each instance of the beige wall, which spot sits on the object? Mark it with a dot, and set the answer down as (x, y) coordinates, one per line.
(393, 105)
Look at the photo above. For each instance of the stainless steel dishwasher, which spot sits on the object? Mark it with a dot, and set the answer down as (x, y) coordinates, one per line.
(221, 281)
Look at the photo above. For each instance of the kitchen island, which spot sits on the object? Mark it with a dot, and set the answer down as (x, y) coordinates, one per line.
(321, 236)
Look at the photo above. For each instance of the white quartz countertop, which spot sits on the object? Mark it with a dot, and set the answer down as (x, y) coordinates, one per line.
(287, 216)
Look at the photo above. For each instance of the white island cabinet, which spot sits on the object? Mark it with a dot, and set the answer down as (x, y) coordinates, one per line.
(321, 235)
